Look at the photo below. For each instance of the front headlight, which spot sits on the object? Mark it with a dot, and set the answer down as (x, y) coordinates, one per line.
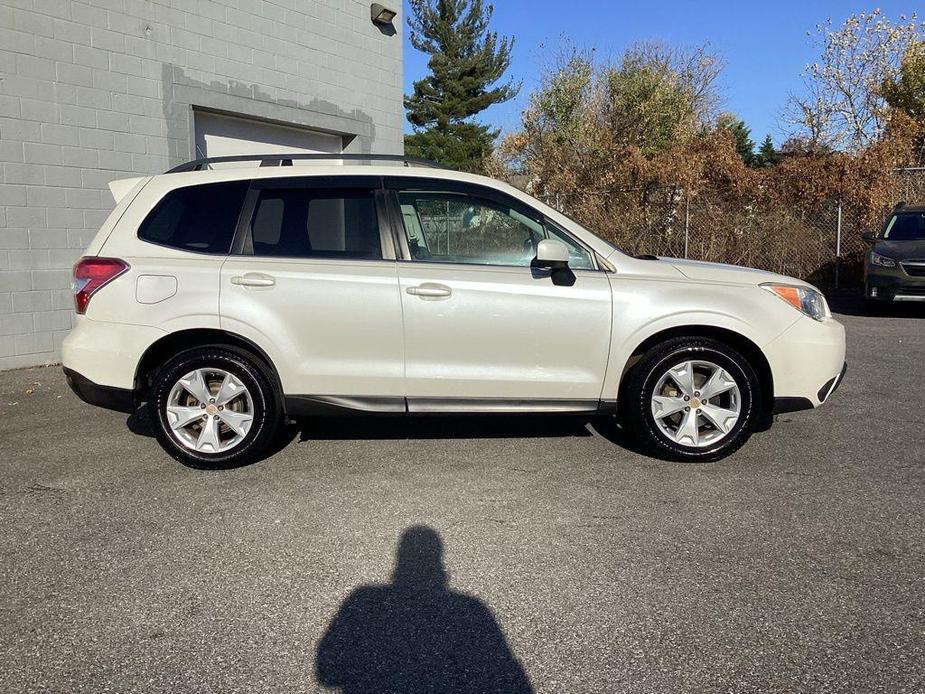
(881, 260)
(804, 299)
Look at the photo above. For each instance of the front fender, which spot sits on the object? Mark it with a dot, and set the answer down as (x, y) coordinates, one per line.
(645, 308)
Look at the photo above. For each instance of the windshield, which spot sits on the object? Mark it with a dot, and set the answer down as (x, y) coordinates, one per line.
(905, 226)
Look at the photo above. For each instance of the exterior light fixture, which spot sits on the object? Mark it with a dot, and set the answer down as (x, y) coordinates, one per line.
(381, 15)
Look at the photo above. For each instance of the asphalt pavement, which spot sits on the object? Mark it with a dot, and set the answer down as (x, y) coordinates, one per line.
(520, 554)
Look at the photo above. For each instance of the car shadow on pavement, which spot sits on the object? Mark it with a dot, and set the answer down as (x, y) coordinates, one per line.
(371, 428)
(466, 427)
(441, 427)
(416, 634)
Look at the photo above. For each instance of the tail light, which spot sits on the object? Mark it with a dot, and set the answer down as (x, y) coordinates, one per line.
(92, 274)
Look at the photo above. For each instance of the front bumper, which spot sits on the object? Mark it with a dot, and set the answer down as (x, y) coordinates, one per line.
(796, 404)
(807, 363)
(118, 399)
(893, 284)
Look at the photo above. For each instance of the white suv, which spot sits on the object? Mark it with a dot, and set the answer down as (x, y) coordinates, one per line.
(227, 299)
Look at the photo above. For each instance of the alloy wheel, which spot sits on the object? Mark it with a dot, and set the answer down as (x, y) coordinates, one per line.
(209, 410)
(696, 403)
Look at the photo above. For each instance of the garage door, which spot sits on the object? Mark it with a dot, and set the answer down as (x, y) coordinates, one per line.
(219, 136)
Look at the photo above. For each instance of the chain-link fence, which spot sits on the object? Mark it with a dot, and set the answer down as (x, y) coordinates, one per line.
(909, 185)
(822, 244)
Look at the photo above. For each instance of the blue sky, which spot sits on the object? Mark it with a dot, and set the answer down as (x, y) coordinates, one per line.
(765, 44)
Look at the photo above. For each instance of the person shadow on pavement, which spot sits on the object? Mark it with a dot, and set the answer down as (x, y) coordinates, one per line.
(416, 634)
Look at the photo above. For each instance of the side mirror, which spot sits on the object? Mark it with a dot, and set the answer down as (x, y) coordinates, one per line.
(869, 237)
(551, 253)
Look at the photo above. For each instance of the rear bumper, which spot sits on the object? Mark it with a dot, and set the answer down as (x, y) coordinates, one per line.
(118, 399)
(107, 353)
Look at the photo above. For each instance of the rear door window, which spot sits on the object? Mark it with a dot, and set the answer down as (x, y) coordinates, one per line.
(198, 218)
(303, 222)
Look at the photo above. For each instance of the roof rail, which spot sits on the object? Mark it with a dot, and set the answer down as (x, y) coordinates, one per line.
(287, 159)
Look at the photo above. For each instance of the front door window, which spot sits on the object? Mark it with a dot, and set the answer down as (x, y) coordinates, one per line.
(456, 228)
(451, 227)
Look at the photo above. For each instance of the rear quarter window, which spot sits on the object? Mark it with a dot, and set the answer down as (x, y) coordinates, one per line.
(201, 218)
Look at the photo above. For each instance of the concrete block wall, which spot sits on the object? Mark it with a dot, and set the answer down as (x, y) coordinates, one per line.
(96, 90)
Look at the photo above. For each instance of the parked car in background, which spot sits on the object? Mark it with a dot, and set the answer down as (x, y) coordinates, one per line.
(229, 299)
(894, 269)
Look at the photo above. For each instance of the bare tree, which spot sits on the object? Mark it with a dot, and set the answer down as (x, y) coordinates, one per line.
(693, 69)
(842, 107)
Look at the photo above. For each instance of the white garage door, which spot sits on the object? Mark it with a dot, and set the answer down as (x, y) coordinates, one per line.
(219, 136)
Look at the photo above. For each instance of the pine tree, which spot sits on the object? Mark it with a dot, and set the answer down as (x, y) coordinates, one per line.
(767, 155)
(466, 63)
(741, 136)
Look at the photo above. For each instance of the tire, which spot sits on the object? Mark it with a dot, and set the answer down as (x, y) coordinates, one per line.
(666, 436)
(236, 436)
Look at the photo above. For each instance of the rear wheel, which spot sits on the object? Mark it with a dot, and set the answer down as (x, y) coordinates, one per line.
(693, 399)
(215, 407)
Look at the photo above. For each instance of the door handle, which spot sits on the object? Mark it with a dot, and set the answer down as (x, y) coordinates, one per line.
(430, 290)
(253, 279)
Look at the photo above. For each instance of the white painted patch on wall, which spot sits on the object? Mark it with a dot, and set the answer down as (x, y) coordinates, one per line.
(220, 135)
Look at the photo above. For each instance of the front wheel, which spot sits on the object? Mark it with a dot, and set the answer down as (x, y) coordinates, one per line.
(693, 399)
(215, 408)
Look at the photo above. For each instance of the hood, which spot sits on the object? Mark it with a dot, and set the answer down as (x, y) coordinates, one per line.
(731, 274)
(901, 250)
